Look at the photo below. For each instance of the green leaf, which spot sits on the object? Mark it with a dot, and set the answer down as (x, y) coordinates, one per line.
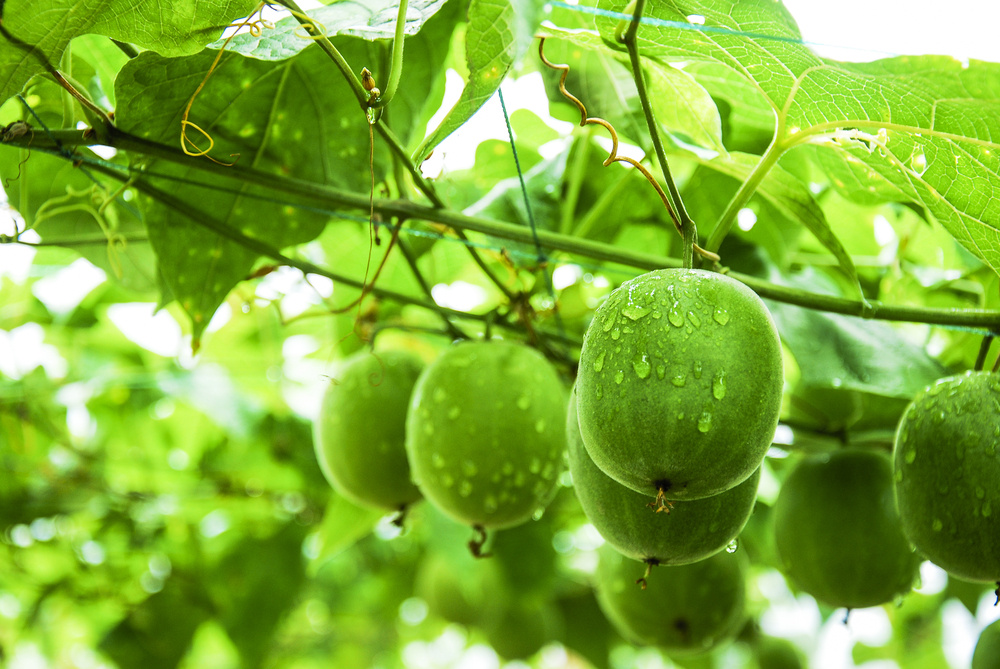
(42, 30)
(370, 20)
(684, 107)
(275, 117)
(344, 523)
(498, 34)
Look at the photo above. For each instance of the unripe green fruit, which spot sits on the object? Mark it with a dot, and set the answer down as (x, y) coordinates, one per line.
(947, 474)
(680, 383)
(987, 654)
(485, 433)
(692, 530)
(359, 436)
(521, 629)
(459, 588)
(838, 532)
(685, 609)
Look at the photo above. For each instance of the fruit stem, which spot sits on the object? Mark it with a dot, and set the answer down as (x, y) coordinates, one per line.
(400, 518)
(476, 544)
(997, 593)
(641, 582)
(661, 503)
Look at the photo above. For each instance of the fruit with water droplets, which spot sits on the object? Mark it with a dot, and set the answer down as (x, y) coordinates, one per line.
(486, 433)
(359, 435)
(987, 653)
(947, 474)
(680, 383)
(685, 609)
(691, 531)
(838, 533)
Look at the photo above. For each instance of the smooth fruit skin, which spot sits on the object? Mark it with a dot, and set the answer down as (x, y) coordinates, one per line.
(987, 653)
(680, 383)
(359, 435)
(947, 474)
(838, 533)
(485, 433)
(692, 530)
(684, 609)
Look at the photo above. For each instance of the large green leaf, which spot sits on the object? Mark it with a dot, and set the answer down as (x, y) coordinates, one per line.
(920, 129)
(277, 119)
(370, 20)
(42, 30)
(498, 34)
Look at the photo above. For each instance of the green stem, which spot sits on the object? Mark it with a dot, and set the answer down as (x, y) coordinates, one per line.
(336, 199)
(396, 69)
(66, 67)
(745, 192)
(404, 248)
(578, 171)
(683, 218)
(324, 43)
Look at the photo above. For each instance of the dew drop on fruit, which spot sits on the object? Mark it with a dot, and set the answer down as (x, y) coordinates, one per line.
(616, 333)
(980, 493)
(619, 376)
(642, 367)
(519, 480)
(910, 456)
(599, 362)
(661, 371)
(675, 317)
(447, 480)
(987, 509)
(635, 311)
(608, 322)
(508, 468)
(680, 415)
(721, 316)
(540, 425)
(657, 314)
(469, 468)
(490, 504)
(465, 489)
(705, 422)
(898, 475)
(438, 460)
(539, 512)
(937, 525)
(732, 546)
(719, 384)
(428, 428)
(535, 466)
(678, 380)
(454, 412)
(697, 369)
(695, 319)
(599, 391)
(523, 402)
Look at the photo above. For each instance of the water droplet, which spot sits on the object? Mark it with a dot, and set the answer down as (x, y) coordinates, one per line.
(635, 311)
(719, 384)
(599, 391)
(429, 428)
(720, 315)
(469, 468)
(657, 314)
(679, 380)
(490, 504)
(549, 471)
(540, 425)
(608, 322)
(465, 489)
(599, 362)
(705, 422)
(447, 480)
(438, 460)
(616, 333)
(619, 376)
(987, 509)
(910, 455)
(642, 367)
(508, 468)
(697, 369)
(898, 475)
(675, 317)
(454, 412)
(980, 493)
(524, 401)
(440, 395)
(661, 371)
(680, 415)
(937, 525)
(535, 466)
(695, 319)
(733, 546)
(519, 480)
(537, 515)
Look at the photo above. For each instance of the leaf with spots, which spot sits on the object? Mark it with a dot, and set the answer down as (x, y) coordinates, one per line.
(498, 34)
(276, 119)
(44, 29)
(370, 20)
(924, 130)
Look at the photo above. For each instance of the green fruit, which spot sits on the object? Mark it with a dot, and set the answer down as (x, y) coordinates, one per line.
(360, 434)
(987, 654)
(689, 608)
(522, 629)
(838, 532)
(947, 474)
(690, 532)
(680, 383)
(459, 588)
(485, 433)
(775, 653)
